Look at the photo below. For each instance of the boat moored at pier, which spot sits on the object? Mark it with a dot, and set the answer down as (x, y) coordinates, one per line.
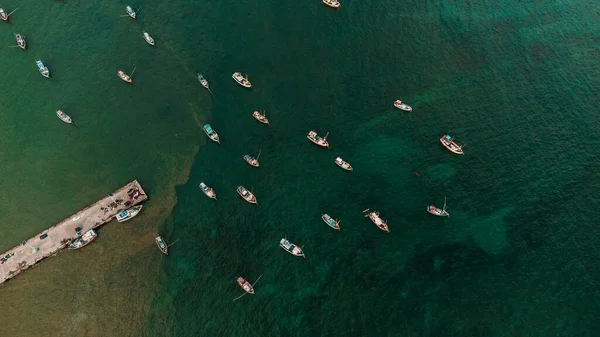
(63, 117)
(290, 247)
(343, 164)
(83, 240)
(125, 215)
(402, 106)
(247, 195)
(449, 144)
(333, 223)
(377, 220)
(212, 134)
(316, 139)
(209, 192)
(241, 80)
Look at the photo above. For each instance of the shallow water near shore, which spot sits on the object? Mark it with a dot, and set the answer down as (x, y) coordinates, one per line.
(516, 83)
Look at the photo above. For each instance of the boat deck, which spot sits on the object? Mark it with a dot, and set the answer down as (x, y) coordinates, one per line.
(62, 233)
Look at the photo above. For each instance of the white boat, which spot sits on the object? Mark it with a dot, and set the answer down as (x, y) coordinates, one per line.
(212, 134)
(402, 106)
(333, 223)
(63, 117)
(316, 139)
(83, 240)
(124, 77)
(21, 41)
(203, 81)
(44, 71)
(261, 117)
(343, 164)
(436, 211)
(449, 144)
(130, 12)
(148, 39)
(125, 215)
(247, 195)
(332, 3)
(290, 247)
(208, 191)
(243, 81)
(377, 220)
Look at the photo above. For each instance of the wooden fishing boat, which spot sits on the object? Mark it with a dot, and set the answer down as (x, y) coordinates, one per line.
(343, 164)
(313, 137)
(261, 117)
(63, 117)
(42, 69)
(449, 144)
(130, 12)
(247, 195)
(290, 247)
(332, 3)
(124, 76)
(208, 191)
(203, 81)
(333, 223)
(248, 288)
(148, 39)
(398, 104)
(379, 222)
(125, 215)
(251, 160)
(83, 240)
(5, 16)
(436, 211)
(241, 80)
(212, 134)
(21, 41)
(162, 245)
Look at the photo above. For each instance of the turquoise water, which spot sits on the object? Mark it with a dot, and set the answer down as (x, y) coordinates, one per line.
(517, 82)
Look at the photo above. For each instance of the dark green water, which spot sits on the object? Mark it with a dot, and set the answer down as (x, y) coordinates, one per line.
(516, 81)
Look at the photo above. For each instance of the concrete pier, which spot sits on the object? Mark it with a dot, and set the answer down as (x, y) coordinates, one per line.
(60, 235)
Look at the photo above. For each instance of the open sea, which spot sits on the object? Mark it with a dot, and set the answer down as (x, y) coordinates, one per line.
(516, 81)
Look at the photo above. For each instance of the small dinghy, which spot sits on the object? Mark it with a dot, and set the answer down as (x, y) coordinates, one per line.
(243, 81)
(148, 39)
(21, 41)
(130, 12)
(379, 222)
(398, 104)
(260, 117)
(248, 288)
(332, 3)
(212, 134)
(333, 223)
(42, 69)
(83, 240)
(436, 211)
(247, 195)
(203, 81)
(162, 245)
(208, 191)
(63, 117)
(290, 247)
(449, 144)
(251, 160)
(5, 16)
(313, 137)
(125, 215)
(343, 164)
(125, 77)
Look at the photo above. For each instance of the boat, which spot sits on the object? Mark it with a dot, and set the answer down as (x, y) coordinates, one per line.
(261, 117)
(248, 288)
(333, 223)
(313, 137)
(3, 15)
(162, 245)
(148, 39)
(211, 133)
(251, 160)
(124, 76)
(130, 12)
(203, 81)
(21, 41)
(379, 222)
(125, 215)
(449, 144)
(83, 240)
(436, 211)
(343, 164)
(398, 104)
(42, 68)
(208, 191)
(247, 195)
(290, 247)
(243, 81)
(63, 117)
(332, 3)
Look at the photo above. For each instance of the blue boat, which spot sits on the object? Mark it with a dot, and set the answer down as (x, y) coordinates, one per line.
(333, 223)
(42, 69)
(291, 248)
(211, 133)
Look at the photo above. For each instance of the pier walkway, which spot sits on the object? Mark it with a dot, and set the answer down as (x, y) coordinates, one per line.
(35, 249)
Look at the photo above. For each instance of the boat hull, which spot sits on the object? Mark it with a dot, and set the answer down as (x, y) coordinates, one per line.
(162, 245)
(315, 139)
(326, 218)
(241, 80)
(130, 213)
(343, 164)
(261, 118)
(245, 285)
(291, 248)
(209, 192)
(64, 117)
(332, 4)
(451, 146)
(83, 240)
(436, 211)
(251, 161)
(246, 195)
(148, 39)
